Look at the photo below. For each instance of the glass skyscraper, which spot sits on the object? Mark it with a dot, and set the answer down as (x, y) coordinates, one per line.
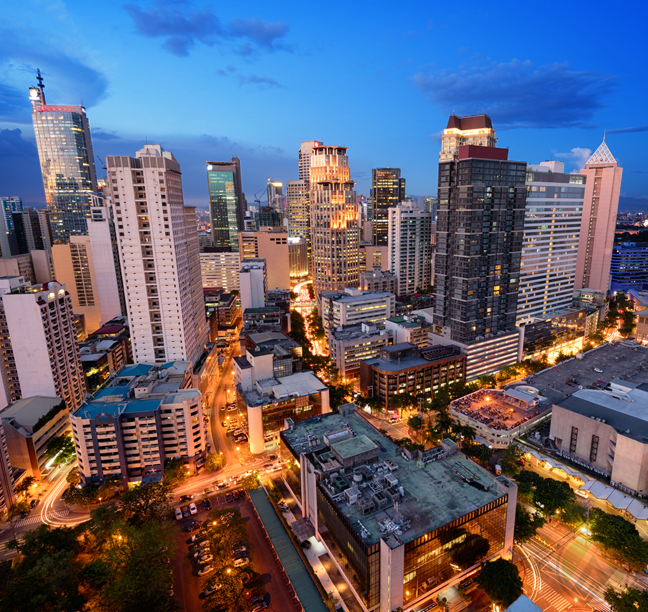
(67, 164)
(226, 203)
(8, 242)
(387, 191)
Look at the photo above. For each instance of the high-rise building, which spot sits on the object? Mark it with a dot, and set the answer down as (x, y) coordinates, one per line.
(410, 247)
(7, 491)
(67, 163)
(629, 267)
(254, 283)
(600, 207)
(8, 237)
(305, 150)
(554, 210)
(159, 256)
(474, 130)
(41, 328)
(275, 194)
(226, 202)
(267, 217)
(28, 230)
(335, 233)
(298, 212)
(271, 244)
(428, 204)
(387, 191)
(9, 381)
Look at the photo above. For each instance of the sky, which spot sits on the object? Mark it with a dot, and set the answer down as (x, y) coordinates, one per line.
(208, 81)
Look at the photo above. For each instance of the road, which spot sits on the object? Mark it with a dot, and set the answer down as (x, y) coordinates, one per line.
(565, 570)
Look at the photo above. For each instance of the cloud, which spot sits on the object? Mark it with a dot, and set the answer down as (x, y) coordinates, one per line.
(261, 82)
(628, 130)
(68, 78)
(517, 93)
(182, 27)
(578, 155)
(99, 134)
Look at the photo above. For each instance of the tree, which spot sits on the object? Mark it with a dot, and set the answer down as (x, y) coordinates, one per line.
(627, 600)
(552, 495)
(61, 450)
(402, 401)
(479, 452)
(214, 462)
(444, 421)
(467, 552)
(468, 433)
(526, 524)
(560, 357)
(573, 515)
(415, 423)
(486, 381)
(251, 481)
(23, 487)
(628, 323)
(501, 581)
(147, 502)
(175, 471)
(73, 477)
(620, 537)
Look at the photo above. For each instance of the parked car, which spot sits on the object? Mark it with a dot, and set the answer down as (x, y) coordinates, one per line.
(194, 539)
(185, 512)
(228, 498)
(186, 498)
(192, 508)
(210, 589)
(240, 555)
(238, 549)
(34, 502)
(222, 485)
(262, 605)
(598, 370)
(178, 514)
(205, 570)
(241, 562)
(207, 504)
(206, 558)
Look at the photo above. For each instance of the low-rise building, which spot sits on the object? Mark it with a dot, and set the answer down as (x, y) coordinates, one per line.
(264, 401)
(642, 326)
(143, 416)
(404, 368)
(400, 526)
(607, 431)
(281, 299)
(353, 306)
(103, 356)
(7, 490)
(377, 280)
(223, 313)
(411, 328)
(498, 416)
(412, 303)
(262, 319)
(30, 424)
(349, 345)
(287, 352)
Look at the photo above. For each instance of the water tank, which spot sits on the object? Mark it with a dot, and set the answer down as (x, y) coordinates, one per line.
(357, 477)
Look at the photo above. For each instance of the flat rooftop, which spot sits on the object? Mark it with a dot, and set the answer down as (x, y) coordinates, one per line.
(299, 384)
(27, 411)
(397, 365)
(435, 493)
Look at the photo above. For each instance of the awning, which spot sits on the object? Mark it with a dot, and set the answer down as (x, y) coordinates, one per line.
(620, 500)
(638, 510)
(600, 490)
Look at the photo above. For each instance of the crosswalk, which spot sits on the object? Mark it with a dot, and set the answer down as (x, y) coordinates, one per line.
(30, 520)
(554, 599)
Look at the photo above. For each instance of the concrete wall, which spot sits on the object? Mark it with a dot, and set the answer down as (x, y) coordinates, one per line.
(392, 569)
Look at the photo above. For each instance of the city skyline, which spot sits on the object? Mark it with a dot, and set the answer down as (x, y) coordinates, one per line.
(254, 56)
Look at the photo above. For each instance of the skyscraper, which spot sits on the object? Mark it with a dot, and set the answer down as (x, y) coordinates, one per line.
(28, 230)
(305, 150)
(474, 130)
(387, 190)
(158, 249)
(8, 238)
(67, 163)
(335, 233)
(226, 202)
(410, 247)
(554, 210)
(600, 207)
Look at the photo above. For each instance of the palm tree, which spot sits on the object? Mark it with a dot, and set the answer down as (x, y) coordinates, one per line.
(444, 421)
(468, 433)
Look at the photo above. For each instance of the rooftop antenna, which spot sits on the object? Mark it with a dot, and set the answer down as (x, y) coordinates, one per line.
(41, 85)
(604, 135)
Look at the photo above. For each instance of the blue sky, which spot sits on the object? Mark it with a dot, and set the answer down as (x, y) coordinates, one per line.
(208, 81)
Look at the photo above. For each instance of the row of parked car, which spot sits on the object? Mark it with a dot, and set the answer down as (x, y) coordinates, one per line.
(185, 511)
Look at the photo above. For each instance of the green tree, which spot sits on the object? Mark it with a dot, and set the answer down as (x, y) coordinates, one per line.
(627, 600)
(441, 401)
(479, 452)
(628, 323)
(402, 401)
(562, 357)
(501, 581)
(251, 481)
(573, 515)
(444, 422)
(214, 462)
(24, 486)
(143, 503)
(552, 495)
(620, 537)
(415, 423)
(526, 524)
(73, 477)
(175, 471)
(486, 381)
(61, 450)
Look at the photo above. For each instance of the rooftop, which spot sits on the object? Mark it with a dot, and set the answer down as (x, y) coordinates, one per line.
(473, 122)
(264, 310)
(409, 321)
(300, 384)
(398, 365)
(109, 330)
(28, 410)
(626, 412)
(442, 487)
(358, 330)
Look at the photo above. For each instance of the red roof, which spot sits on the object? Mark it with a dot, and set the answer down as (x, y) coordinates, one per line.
(477, 152)
(110, 329)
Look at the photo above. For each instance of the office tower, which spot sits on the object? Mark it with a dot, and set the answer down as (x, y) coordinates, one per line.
(45, 228)
(410, 247)
(271, 244)
(298, 257)
(8, 238)
(67, 163)
(428, 204)
(276, 198)
(334, 220)
(267, 217)
(158, 252)
(474, 130)
(599, 220)
(298, 212)
(28, 230)
(305, 150)
(226, 202)
(40, 323)
(254, 283)
(629, 268)
(220, 269)
(554, 210)
(354, 306)
(387, 190)
(7, 491)
(143, 416)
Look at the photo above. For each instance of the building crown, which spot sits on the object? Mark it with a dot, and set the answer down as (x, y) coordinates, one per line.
(602, 155)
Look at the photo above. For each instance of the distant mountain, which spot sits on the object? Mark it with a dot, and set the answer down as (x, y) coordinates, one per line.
(634, 205)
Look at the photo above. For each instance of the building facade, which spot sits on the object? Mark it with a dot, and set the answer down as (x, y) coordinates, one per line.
(377, 280)
(159, 256)
(412, 328)
(335, 231)
(554, 211)
(460, 131)
(629, 267)
(354, 306)
(67, 164)
(253, 281)
(387, 191)
(144, 416)
(305, 151)
(226, 202)
(271, 244)
(220, 269)
(600, 207)
(350, 345)
(410, 247)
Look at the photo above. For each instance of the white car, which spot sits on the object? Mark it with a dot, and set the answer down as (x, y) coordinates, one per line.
(205, 559)
(192, 508)
(598, 370)
(241, 562)
(178, 514)
(205, 570)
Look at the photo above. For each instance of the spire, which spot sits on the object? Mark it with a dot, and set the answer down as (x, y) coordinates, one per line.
(602, 155)
(41, 85)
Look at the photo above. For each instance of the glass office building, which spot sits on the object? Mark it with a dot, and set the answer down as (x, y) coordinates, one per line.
(67, 164)
(226, 202)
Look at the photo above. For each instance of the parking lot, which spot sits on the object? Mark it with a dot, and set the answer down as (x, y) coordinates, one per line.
(615, 362)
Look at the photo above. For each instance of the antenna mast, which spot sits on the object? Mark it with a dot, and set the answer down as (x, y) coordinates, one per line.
(41, 85)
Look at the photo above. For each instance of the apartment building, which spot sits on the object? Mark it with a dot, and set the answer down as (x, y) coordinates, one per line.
(349, 345)
(353, 306)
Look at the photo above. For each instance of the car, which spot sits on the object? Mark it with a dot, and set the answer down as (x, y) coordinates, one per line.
(210, 589)
(262, 605)
(206, 558)
(272, 457)
(241, 562)
(242, 493)
(598, 370)
(222, 485)
(184, 498)
(240, 555)
(283, 507)
(239, 548)
(581, 493)
(305, 544)
(231, 408)
(207, 504)
(178, 514)
(185, 512)
(212, 488)
(205, 570)
(194, 539)
(228, 498)
(224, 423)
(192, 508)
(239, 543)
(34, 502)
(235, 495)
(393, 420)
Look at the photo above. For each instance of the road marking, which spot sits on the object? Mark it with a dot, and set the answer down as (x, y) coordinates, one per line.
(554, 598)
